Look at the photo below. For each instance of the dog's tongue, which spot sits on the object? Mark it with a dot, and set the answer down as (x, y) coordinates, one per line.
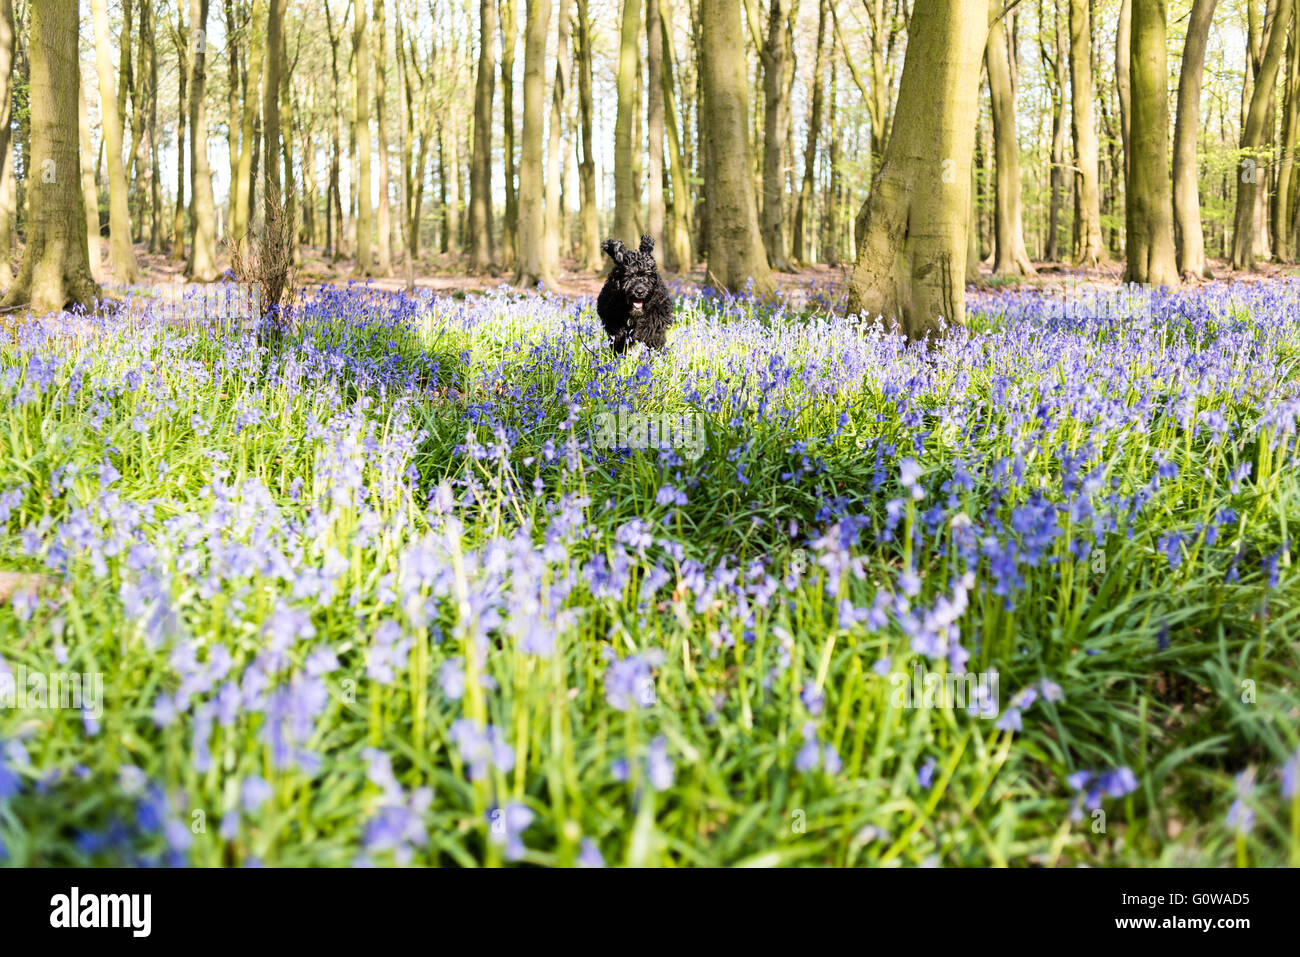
(636, 304)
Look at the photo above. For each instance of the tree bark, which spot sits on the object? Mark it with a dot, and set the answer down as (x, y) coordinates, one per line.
(655, 213)
(121, 254)
(361, 127)
(735, 246)
(677, 229)
(384, 264)
(1189, 241)
(554, 222)
(241, 208)
(55, 270)
(184, 73)
(911, 263)
(480, 171)
(1089, 247)
(1245, 224)
(800, 240)
(1149, 228)
(1012, 257)
(627, 139)
(509, 17)
(89, 192)
(531, 266)
(203, 210)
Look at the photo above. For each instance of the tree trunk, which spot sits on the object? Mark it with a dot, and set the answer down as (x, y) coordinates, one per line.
(1124, 76)
(775, 56)
(911, 264)
(1012, 257)
(1188, 238)
(554, 213)
(509, 17)
(1284, 195)
(589, 224)
(6, 117)
(800, 241)
(55, 271)
(677, 229)
(1059, 66)
(89, 192)
(1089, 246)
(384, 265)
(241, 208)
(627, 140)
(203, 209)
(184, 72)
(361, 126)
(1149, 227)
(655, 128)
(480, 171)
(121, 255)
(532, 267)
(1245, 224)
(735, 246)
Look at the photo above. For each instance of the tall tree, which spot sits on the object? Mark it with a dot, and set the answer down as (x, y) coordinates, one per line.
(203, 207)
(120, 252)
(1189, 241)
(677, 228)
(627, 134)
(242, 185)
(735, 246)
(55, 270)
(480, 171)
(1149, 232)
(89, 192)
(361, 126)
(588, 217)
(803, 203)
(554, 225)
(1245, 223)
(509, 17)
(911, 263)
(1011, 258)
(655, 213)
(776, 55)
(1055, 66)
(1089, 248)
(181, 40)
(384, 264)
(6, 118)
(531, 266)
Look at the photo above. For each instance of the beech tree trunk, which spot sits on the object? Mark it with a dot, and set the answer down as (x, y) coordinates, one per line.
(531, 262)
(911, 263)
(121, 254)
(55, 270)
(480, 171)
(735, 247)
(1188, 238)
(627, 133)
(1012, 258)
(1149, 227)
(1089, 248)
(203, 207)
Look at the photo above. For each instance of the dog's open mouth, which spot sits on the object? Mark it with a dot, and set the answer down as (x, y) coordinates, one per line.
(636, 305)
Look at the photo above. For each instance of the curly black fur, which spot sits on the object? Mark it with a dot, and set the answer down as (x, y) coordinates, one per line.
(634, 305)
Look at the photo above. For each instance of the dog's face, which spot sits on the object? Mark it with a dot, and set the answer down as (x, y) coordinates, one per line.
(634, 273)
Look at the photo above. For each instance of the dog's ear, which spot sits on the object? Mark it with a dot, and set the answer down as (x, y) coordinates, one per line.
(615, 249)
(647, 244)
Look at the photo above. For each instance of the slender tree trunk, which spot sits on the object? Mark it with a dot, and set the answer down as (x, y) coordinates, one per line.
(384, 265)
(155, 171)
(627, 135)
(203, 210)
(55, 271)
(589, 229)
(803, 205)
(1188, 238)
(911, 264)
(1285, 193)
(1089, 246)
(121, 255)
(241, 208)
(1245, 224)
(655, 211)
(184, 74)
(554, 227)
(1149, 242)
(361, 125)
(1012, 257)
(1124, 76)
(509, 17)
(6, 118)
(89, 192)
(677, 230)
(1059, 66)
(735, 245)
(480, 173)
(532, 267)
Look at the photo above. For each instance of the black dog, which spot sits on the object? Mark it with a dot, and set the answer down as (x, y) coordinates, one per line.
(634, 305)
